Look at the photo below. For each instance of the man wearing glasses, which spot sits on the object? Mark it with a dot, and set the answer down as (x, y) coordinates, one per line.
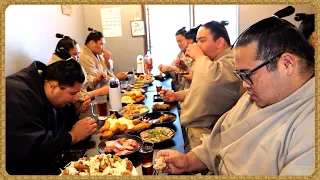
(271, 129)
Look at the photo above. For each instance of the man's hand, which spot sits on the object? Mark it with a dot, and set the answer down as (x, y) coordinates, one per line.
(121, 76)
(180, 63)
(82, 105)
(100, 78)
(177, 162)
(194, 51)
(167, 95)
(82, 129)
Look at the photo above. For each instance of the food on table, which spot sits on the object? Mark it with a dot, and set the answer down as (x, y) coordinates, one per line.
(103, 164)
(132, 97)
(182, 72)
(157, 134)
(122, 126)
(160, 164)
(143, 78)
(161, 106)
(165, 117)
(121, 146)
(132, 109)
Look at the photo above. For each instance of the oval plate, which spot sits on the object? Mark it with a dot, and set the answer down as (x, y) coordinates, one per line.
(134, 115)
(168, 138)
(102, 144)
(144, 82)
(155, 115)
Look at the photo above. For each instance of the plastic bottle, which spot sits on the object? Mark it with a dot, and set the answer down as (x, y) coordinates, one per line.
(148, 63)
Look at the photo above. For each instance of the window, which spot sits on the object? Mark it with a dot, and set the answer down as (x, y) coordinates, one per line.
(164, 21)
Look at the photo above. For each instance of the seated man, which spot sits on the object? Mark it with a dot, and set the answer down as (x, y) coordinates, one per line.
(91, 56)
(271, 130)
(40, 123)
(214, 89)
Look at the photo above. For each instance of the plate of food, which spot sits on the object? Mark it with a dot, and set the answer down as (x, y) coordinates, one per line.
(157, 134)
(103, 164)
(132, 97)
(159, 118)
(123, 125)
(121, 145)
(161, 107)
(182, 72)
(160, 76)
(146, 79)
(138, 85)
(134, 110)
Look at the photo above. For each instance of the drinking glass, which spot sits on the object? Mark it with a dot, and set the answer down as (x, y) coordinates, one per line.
(146, 156)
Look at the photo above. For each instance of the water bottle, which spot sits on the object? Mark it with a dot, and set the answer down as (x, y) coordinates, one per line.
(114, 94)
(148, 63)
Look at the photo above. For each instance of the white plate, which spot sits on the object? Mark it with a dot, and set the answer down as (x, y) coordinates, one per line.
(134, 115)
(144, 82)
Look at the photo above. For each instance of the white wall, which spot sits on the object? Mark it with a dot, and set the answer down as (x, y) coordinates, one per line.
(125, 49)
(30, 32)
(250, 14)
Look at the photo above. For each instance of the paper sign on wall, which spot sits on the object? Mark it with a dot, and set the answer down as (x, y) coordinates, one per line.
(111, 22)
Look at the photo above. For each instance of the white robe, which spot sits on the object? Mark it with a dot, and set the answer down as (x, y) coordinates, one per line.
(276, 140)
(94, 64)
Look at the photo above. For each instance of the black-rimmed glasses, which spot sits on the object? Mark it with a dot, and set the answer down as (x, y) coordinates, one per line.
(245, 76)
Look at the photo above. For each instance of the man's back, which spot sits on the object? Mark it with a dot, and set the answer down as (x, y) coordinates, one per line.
(33, 138)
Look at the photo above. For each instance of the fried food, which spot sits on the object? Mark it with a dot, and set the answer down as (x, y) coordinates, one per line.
(100, 165)
(160, 164)
(122, 126)
(161, 106)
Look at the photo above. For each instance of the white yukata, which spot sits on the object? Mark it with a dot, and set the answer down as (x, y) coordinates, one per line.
(94, 64)
(276, 140)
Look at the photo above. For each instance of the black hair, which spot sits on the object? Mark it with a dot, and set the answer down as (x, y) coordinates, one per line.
(275, 36)
(218, 30)
(64, 45)
(94, 35)
(192, 33)
(65, 72)
(307, 25)
(182, 31)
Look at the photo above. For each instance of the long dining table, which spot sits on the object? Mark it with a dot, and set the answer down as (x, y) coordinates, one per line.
(177, 142)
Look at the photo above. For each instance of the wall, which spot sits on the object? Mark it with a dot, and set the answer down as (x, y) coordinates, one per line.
(250, 14)
(126, 48)
(30, 32)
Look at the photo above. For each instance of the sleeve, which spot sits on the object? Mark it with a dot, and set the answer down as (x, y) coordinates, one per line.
(69, 116)
(210, 147)
(185, 92)
(300, 159)
(30, 140)
(89, 65)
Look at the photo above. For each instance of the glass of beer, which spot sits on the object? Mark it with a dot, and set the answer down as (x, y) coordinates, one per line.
(100, 107)
(146, 156)
(159, 87)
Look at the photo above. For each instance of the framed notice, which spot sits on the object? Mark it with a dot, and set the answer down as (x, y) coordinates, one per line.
(137, 28)
(66, 9)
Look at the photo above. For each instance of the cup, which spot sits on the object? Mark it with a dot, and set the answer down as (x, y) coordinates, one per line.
(124, 85)
(159, 87)
(100, 106)
(146, 157)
